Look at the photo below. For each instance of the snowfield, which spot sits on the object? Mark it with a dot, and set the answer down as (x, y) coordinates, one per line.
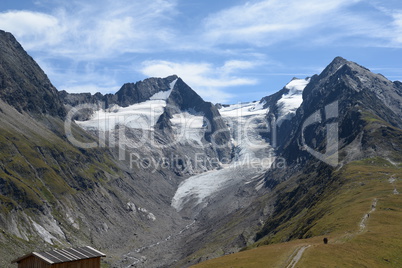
(142, 115)
(290, 102)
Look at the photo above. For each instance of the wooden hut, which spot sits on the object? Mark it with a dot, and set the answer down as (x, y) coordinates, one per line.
(82, 257)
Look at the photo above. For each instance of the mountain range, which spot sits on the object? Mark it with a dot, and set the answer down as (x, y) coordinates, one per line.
(154, 176)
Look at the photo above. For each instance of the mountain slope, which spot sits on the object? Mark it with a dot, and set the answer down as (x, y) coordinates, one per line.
(363, 117)
(359, 214)
(327, 188)
(22, 83)
(54, 194)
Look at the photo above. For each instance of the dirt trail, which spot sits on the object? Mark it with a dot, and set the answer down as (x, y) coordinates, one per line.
(392, 181)
(363, 222)
(298, 253)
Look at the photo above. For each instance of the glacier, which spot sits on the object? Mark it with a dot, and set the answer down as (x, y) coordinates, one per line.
(253, 156)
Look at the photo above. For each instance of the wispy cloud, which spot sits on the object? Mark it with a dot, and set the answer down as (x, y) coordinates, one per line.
(83, 77)
(92, 31)
(207, 79)
(305, 22)
(263, 23)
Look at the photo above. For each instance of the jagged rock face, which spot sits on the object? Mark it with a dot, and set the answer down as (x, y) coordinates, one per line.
(132, 93)
(347, 81)
(74, 99)
(22, 82)
(128, 94)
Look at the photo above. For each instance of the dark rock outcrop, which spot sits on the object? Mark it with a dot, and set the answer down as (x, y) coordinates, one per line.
(23, 84)
(128, 94)
(141, 91)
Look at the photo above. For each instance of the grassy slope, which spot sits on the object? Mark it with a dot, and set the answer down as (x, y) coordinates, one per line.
(36, 165)
(378, 245)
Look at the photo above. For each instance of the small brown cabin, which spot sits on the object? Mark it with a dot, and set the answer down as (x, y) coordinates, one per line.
(82, 257)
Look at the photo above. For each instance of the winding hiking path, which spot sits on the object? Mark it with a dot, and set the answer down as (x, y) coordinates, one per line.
(298, 253)
(363, 222)
(392, 181)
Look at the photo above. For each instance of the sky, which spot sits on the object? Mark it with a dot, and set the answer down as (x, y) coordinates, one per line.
(227, 51)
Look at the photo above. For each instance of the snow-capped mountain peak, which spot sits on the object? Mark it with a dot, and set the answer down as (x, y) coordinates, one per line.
(291, 101)
(297, 85)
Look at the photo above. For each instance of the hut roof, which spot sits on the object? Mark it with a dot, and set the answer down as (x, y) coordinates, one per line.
(64, 255)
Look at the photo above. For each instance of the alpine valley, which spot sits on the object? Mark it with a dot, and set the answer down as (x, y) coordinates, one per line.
(154, 176)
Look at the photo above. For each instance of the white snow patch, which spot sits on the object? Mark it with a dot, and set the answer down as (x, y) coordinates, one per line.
(142, 115)
(188, 127)
(173, 84)
(164, 95)
(297, 85)
(199, 187)
(243, 109)
(291, 101)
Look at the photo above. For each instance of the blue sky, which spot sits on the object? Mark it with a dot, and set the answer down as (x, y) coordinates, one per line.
(228, 51)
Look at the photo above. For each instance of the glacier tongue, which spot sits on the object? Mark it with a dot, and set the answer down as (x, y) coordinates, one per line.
(253, 156)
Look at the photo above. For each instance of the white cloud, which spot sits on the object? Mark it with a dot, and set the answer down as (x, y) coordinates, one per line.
(36, 29)
(82, 30)
(397, 24)
(84, 77)
(208, 80)
(266, 22)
